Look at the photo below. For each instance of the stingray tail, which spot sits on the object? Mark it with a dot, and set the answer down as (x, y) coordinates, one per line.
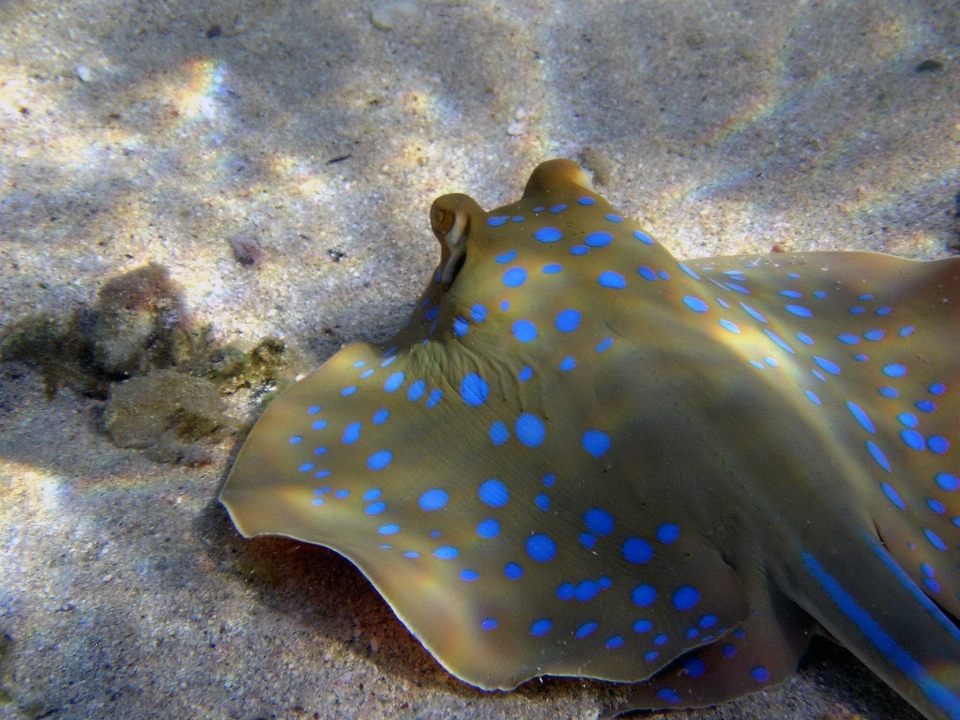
(866, 601)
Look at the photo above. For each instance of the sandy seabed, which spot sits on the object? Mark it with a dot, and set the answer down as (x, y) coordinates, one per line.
(135, 132)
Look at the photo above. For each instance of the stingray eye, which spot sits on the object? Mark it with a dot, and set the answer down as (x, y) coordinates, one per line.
(452, 217)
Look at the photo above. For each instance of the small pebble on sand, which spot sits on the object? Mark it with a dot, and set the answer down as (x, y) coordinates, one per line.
(245, 250)
(84, 73)
(397, 14)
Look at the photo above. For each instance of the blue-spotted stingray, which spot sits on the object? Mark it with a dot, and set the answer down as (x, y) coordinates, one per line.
(584, 458)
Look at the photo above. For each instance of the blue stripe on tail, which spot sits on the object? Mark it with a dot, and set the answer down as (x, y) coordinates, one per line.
(937, 693)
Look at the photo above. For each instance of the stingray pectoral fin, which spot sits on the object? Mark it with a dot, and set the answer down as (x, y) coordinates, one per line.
(763, 650)
(870, 605)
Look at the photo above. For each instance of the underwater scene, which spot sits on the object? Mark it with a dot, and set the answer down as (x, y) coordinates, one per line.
(409, 359)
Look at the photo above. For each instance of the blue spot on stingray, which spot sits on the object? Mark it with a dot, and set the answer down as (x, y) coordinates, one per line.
(587, 201)
(313, 409)
(515, 277)
(668, 533)
(587, 590)
(393, 382)
(365, 374)
(694, 667)
(376, 508)
(938, 444)
(685, 598)
(889, 392)
(753, 313)
(760, 673)
(588, 540)
(473, 389)
(319, 451)
(791, 294)
(351, 433)
(379, 460)
(579, 250)
(937, 506)
(729, 651)
(494, 493)
(585, 629)
(558, 208)
(779, 341)
(296, 439)
(642, 626)
(643, 237)
(513, 571)
(688, 271)
(568, 320)
(614, 218)
(548, 234)
(460, 327)
(827, 365)
(643, 595)
(530, 430)
(913, 439)
(596, 442)
(937, 389)
(524, 331)
(613, 643)
(504, 258)
(432, 313)
(805, 339)
(541, 548)
(820, 294)
(416, 391)
(488, 528)
(434, 499)
(612, 280)
(695, 304)
(874, 335)
(906, 331)
(598, 239)
(567, 364)
(707, 622)
(488, 624)
(542, 501)
(927, 406)
(661, 639)
(813, 397)
(598, 521)
(496, 220)
(861, 358)
(637, 551)
(469, 575)
(935, 540)
(435, 395)
(499, 433)
(877, 454)
(893, 495)
(388, 529)
(504, 305)
(884, 311)
(865, 422)
(388, 361)
(857, 310)
(525, 374)
(446, 553)
(798, 310)
(371, 494)
(306, 467)
(380, 416)
(604, 345)
(552, 268)
(729, 326)
(908, 419)
(894, 371)
(947, 481)
(478, 313)
(566, 591)
(647, 273)
(541, 627)
(549, 479)
(663, 274)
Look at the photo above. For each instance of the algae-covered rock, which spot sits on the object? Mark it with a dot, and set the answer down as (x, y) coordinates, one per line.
(167, 413)
(141, 323)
